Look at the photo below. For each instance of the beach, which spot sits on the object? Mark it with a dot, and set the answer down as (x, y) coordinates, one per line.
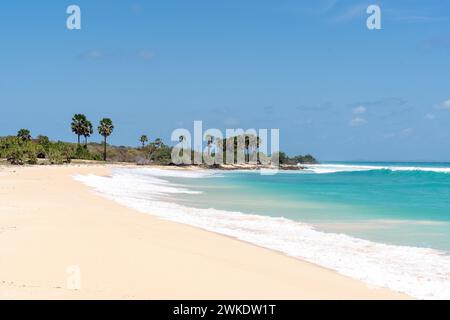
(49, 223)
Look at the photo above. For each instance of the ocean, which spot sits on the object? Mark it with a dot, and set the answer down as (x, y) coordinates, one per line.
(387, 224)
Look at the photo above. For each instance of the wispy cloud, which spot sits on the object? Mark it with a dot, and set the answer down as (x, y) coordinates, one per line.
(99, 54)
(444, 105)
(414, 18)
(328, 5)
(356, 122)
(430, 116)
(352, 13)
(359, 110)
(317, 7)
(350, 10)
(421, 13)
(93, 54)
(436, 43)
(145, 54)
(388, 101)
(406, 132)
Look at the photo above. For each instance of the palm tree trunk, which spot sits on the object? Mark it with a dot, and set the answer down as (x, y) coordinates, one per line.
(104, 150)
(78, 139)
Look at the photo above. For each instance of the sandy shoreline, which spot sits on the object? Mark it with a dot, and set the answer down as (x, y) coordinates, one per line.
(49, 222)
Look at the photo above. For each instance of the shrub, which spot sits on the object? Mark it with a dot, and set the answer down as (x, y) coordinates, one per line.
(162, 155)
(43, 146)
(5, 145)
(21, 152)
(83, 153)
(60, 153)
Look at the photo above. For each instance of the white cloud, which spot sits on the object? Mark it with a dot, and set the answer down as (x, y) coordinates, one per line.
(430, 116)
(352, 13)
(389, 135)
(359, 110)
(329, 4)
(355, 122)
(406, 132)
(445, 104)
(93, 54)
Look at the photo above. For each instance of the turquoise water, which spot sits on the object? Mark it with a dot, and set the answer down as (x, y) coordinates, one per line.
(387, 224)
(392, 203)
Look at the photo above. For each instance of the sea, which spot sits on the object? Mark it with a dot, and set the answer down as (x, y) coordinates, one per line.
(384, 223)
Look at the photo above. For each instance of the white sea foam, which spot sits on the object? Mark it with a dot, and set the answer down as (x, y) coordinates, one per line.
(419, 272)
(333, 168)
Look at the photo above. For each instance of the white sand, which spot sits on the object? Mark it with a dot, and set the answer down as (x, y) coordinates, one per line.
(48, 222)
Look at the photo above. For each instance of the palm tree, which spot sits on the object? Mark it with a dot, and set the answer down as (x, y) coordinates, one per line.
(251, 142)
(158, 143)
(105, 129)
(143, 140)
(209, 140)
(24, 134)
(78, 125)
(247, 149)
(87, 131)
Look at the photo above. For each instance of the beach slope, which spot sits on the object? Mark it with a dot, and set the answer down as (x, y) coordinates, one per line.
(51, 225)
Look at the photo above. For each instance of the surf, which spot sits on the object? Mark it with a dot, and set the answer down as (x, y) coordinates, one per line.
(335, 168)
(421, 272)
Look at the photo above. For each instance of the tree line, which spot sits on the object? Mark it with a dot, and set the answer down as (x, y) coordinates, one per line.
(23, 149)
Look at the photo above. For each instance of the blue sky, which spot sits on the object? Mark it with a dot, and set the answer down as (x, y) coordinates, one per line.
(310, 68)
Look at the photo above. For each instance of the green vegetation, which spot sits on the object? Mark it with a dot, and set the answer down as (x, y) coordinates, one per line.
(85, 153)
(78, 125)
(24, 134)
(159, 143)
(308, 159)
(19, 152)
(105, 129)
(60, 153)
(87, 131)
(45, 146)
(22, 149)
(143, 139)
(159, 152)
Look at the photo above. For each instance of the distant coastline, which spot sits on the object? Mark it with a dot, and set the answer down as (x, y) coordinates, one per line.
(244, 151)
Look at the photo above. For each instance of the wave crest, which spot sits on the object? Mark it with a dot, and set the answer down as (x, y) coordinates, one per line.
(335, 168)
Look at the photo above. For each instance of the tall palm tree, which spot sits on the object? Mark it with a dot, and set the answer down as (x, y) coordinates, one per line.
(209, 140)
(24, 134)
(251, 143)
(247, 149)
(78, 125)
(88, 129)
(143, 140)
(105, 128)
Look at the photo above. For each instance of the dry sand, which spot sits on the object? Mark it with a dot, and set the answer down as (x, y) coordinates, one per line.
(49, 222)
